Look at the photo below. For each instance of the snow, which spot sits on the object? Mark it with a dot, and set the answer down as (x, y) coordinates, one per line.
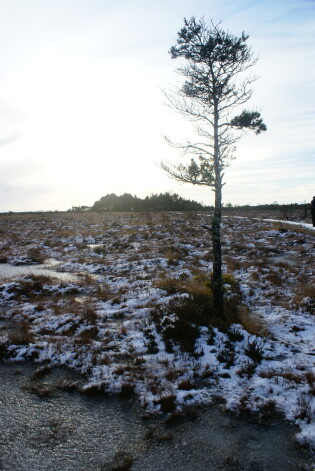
(292, 223)
(102, 325)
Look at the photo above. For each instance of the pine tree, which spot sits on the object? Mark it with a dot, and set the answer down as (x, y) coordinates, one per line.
(214, 63)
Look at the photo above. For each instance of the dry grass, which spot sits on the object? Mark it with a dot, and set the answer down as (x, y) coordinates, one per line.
(305, 297)
(21, 335)
(89, 314)
(122, 461)
(253, 324)
(200, 301)
(285, 374)
(130, 257)
(196, 286)
(275, 278)
(87, 336)
(35, 255)
(232, 263)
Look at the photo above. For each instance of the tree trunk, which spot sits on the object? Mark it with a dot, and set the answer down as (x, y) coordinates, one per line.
(217, 284)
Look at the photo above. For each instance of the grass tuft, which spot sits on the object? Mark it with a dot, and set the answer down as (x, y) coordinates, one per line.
(254, 350)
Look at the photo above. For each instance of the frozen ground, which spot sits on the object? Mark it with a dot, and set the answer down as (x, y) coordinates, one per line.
(126, 322)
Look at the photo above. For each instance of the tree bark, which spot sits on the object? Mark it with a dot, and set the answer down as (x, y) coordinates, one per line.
(217, 284)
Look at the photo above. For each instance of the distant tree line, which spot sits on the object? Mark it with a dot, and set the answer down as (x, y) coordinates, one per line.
(174, 202)
(275, 205)
(156, 202)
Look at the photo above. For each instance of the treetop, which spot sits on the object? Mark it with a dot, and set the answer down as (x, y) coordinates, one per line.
(201, 43)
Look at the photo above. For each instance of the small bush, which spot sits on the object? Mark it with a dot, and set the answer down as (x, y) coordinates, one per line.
(151, 345)
(197, 286)
(304, 410)
(127, 390)
(247, 370)
(35, 255)
(186, 385)
(22, 336)
(254, 350)
(267, 412)
(167, 404)
(232, 263)
(122, 462)
(250, 322)
(87, 335)
(100, 250)
(305, 297)
(40, 372)
(3, 350)
(178, 322)
(211, 337)
(170, 285)
(226, 355)
(26, 288)
(172, 255)
(235, 335)
(89, 314)
(172, 374)
(40, 390)
(103, 293)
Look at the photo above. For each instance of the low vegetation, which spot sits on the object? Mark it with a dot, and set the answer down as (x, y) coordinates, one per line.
(135, 319)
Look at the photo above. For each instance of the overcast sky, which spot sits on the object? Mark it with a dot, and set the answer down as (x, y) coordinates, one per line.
(81, 108)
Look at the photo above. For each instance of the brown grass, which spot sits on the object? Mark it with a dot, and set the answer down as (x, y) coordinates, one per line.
(22, 335)
(89, 314)
(193, 286)
(36, 255)
(232, 263)
(305, 297)
(253, 324)
(87, 336)
(289, 375)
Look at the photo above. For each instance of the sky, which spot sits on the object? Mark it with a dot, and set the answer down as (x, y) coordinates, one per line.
(82, 112)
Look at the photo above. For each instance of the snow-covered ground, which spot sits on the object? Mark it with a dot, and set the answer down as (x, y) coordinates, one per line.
(120, 324)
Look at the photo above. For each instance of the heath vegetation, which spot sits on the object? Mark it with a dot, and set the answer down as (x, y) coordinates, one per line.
(136, 315)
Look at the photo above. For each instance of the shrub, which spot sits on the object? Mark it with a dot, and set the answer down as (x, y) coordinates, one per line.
(254, 350)
(186, 385)
(226, 355)
(235, 335)
(196, 309)
(35, 255)
(304, 410)
(251, 323)
(40, 372)
(22, 336)
(122, 462)
(100, 250)
(267, 412)
(170, 285)
(305, 297)
(151, 344)
(3, 350)
(89, 314)
(232, 263)
(41, 390)
(103, 293)
(247, 370)
(88, 335)
(127, 390)
(178, 322)
(167, 404)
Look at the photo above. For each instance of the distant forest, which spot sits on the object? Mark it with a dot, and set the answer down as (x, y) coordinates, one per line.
(174, 202)
(155, 202)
